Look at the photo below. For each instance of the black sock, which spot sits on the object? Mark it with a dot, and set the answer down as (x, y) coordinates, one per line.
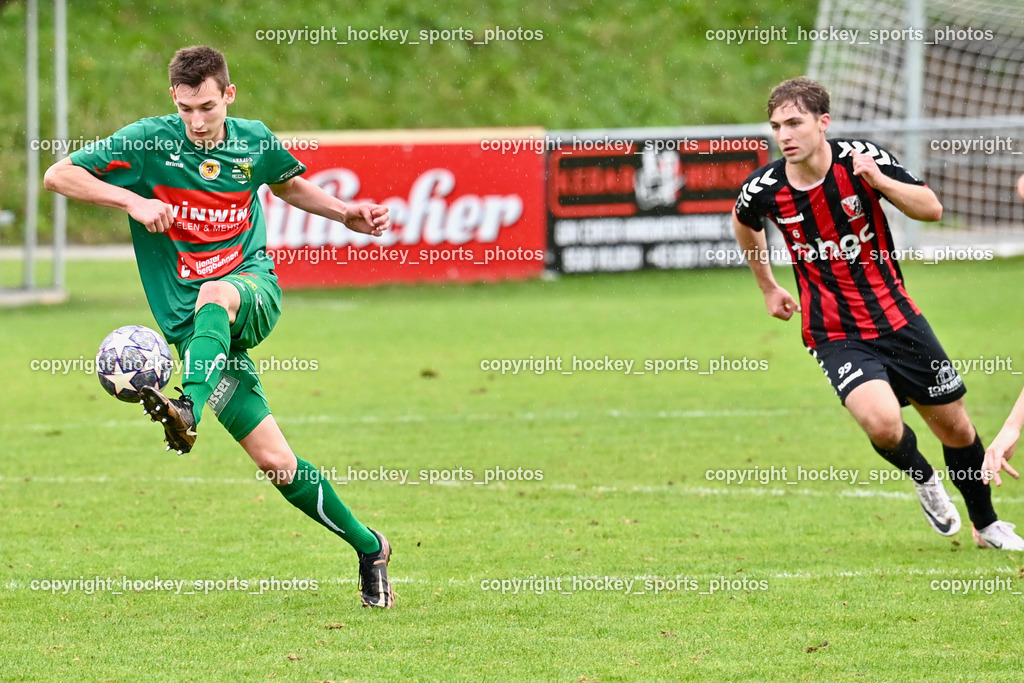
(964, 465)
(906, 457)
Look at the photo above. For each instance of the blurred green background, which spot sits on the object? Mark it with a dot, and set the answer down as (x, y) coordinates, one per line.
(600, 64)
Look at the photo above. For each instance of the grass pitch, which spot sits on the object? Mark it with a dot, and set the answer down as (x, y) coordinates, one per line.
(610, 547)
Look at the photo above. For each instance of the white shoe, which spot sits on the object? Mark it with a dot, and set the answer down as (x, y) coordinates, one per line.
(938, 508)
(999, 535)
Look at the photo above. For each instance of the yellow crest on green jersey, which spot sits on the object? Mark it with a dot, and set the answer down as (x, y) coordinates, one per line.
(209, 169)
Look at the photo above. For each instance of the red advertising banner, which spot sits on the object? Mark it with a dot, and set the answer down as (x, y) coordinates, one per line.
(462, 206)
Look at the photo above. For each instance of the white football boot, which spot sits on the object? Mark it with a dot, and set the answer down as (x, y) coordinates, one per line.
(999, 535)
(938, 508)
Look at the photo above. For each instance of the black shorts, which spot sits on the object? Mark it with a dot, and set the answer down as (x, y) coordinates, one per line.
(911, 360)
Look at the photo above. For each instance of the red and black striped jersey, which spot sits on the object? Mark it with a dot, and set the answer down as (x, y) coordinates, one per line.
(849, 281)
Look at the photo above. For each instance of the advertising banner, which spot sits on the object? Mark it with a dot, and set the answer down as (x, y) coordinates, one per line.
(633, 200)
(462, 207)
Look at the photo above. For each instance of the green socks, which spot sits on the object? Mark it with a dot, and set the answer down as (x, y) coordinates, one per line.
(206, 355)
(312, 493)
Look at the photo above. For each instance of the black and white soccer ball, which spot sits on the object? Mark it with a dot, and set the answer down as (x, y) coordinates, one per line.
(132, 357)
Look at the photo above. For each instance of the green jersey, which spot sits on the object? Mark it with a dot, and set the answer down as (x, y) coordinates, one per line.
(218, 221)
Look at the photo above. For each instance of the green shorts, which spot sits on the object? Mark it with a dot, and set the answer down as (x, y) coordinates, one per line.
(259, 310)
(238, 400)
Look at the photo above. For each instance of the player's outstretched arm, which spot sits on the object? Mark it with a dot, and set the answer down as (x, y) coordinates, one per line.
(77, 183)
(754, 246)
(916, 201)
(370, 219)
(1002, 447)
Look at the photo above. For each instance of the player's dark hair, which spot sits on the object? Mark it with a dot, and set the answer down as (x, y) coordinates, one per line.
(806, 95)
(193, 65)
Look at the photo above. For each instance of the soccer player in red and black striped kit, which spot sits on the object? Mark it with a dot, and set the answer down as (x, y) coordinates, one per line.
(874, 345)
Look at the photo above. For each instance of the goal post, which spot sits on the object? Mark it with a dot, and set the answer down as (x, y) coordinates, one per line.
(31, 291)
(941, 84)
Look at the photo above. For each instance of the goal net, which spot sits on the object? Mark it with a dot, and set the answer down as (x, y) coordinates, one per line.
(941, 84)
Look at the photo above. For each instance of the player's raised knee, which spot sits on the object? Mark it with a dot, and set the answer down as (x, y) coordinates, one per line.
(214, 292)
(883, 431)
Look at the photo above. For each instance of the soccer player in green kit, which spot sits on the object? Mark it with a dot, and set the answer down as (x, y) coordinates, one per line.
(188, 182)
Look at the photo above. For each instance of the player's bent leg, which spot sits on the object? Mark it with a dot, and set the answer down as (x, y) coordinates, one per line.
(270, 451)
(877, 410)
(306, 487)
(223, 294)
(205, 353)
(949, 422)
(965, 455)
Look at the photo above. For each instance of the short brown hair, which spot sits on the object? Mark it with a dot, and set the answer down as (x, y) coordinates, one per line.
(193, 65)
(806, 95)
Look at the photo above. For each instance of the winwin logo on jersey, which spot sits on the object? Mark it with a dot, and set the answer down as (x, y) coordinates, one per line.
(206, 215)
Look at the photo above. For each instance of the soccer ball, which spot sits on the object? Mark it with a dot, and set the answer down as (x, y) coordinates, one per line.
(132, 357)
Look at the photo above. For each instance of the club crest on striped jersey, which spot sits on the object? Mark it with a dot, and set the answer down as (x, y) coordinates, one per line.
(852, 207)
(209, 169)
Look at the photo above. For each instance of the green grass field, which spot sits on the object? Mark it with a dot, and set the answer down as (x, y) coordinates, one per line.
(809, 580)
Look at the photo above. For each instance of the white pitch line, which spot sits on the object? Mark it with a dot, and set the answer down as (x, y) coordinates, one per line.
(796, 576)
(803, 576)
(103, 479)
(752, 490)
(698, 491)
(456, 417)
